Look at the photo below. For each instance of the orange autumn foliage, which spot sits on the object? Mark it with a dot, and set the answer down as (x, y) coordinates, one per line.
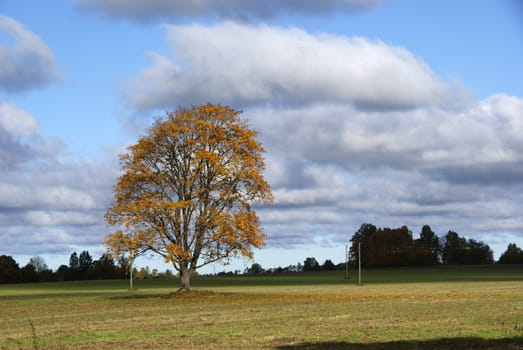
(187, 190)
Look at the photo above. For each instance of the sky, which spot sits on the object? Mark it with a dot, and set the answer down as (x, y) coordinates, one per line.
(391, 112)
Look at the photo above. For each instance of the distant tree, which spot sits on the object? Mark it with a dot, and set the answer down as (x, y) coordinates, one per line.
(85, 266)
(420, 255)
(328, 265)
(43, 272)
(124, 265)
(29, 274)
(362, 235)
(458, 250)
(430, 240)
(63, 273)
(311, 264)
(85, 261)
(74, 267)
(254, 269)
(142, 273)
(168, 274)
(38, 263)
(293, 268)
(390, 247)
(9, 270)
(478, 253)
(513, 255)
(105, 268)
(454, 249)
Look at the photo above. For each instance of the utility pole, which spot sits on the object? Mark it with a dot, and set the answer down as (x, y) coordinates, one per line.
(359, 263)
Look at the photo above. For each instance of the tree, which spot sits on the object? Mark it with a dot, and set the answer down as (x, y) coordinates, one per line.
(478, 253)
(430, 240)
(74, 263)
(105, 268)
(85, 261)
(40, 268)
(311, 264)
(187, 190)
(361, 236)
(390, 247)
(328, 265)
(460, 251)
(255, 269)
(453, 252)
(513, 255)
(63, 273)
(39, 263)
(9, 270)
(28, 273)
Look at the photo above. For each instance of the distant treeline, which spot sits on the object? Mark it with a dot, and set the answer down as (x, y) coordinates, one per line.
(396, 247)
(380, 247)
(81, 267)
(384, 247)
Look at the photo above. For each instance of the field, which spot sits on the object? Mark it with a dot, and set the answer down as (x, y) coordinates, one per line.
(437, 308)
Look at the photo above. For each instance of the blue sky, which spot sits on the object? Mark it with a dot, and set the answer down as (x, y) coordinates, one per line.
(390, 112)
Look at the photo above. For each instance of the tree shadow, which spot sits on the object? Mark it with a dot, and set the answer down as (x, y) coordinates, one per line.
(469, 343)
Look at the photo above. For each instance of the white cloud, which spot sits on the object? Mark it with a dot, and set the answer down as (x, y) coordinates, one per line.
(244, 65)
(356, 130)
(59, 218)
(455, 169)
(26, 61)
(482, 136)
(16, 121)
(239, 9)
(48, 200)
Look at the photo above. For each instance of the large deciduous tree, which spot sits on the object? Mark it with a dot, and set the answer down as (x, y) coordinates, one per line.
(187, 189)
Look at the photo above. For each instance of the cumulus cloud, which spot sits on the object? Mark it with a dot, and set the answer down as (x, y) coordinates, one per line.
(356, 130)
(16, 128)
(237, 9)
(456, 169)
(27, 62)
(16, 121)
(245, 65)
(56, 201)
(482, 136)
(47, 198)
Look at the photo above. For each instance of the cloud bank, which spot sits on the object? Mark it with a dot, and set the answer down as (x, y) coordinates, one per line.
(356, 130)
(50, 202)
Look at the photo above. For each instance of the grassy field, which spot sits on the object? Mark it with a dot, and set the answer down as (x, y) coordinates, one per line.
(440, 308)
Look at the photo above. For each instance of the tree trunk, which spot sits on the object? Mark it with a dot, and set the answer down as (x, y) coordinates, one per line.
(185, 280)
